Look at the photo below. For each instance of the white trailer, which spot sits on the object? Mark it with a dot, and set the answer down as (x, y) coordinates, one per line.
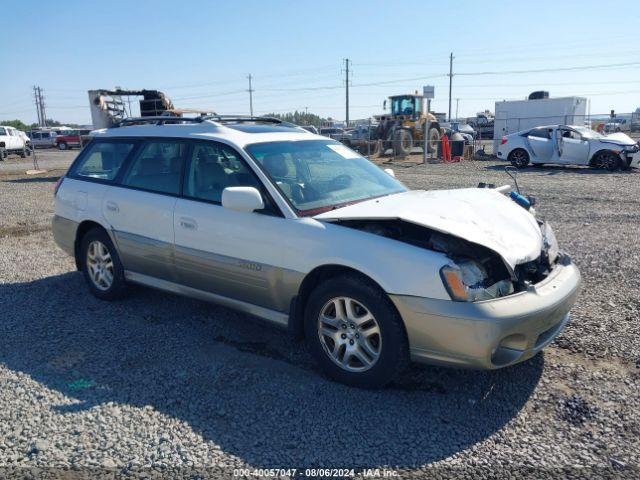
(517, 115)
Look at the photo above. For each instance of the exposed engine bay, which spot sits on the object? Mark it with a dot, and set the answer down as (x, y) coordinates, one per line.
(484, 272)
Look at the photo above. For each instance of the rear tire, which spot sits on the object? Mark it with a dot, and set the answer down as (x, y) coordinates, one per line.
(519, 158)
(402, 143)
(63, 146)
(386, 349)
(101, 266)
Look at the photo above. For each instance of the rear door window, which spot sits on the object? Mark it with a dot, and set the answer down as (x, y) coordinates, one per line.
(540, 133)
(158, 167)
(102, 160)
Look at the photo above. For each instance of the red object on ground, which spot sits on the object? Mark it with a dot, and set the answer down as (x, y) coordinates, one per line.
(446, 149)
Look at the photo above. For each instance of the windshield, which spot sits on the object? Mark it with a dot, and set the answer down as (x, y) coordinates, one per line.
(318, 175)
(588, 133)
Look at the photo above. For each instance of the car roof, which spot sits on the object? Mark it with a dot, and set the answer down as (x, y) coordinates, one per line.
(240, 134)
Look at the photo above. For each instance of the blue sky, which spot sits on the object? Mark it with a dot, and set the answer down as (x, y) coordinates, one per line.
(200, 53)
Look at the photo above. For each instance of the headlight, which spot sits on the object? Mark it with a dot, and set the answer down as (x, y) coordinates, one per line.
(550, 242)
(467, 281)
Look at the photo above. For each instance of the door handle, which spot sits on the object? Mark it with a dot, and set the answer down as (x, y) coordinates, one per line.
(188, 223)
(112, 207)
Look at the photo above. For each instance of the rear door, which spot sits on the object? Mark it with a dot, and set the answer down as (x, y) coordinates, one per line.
(140, 207)
(540, 144)
(229, 253)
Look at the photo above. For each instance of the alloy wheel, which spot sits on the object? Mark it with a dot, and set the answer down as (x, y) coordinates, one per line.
(519, 158)
(100, 265)
(349, 334)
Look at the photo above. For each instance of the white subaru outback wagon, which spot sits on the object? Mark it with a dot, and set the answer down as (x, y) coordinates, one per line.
(295, 228)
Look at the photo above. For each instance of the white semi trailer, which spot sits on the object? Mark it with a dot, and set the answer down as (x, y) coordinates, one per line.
(517, 115)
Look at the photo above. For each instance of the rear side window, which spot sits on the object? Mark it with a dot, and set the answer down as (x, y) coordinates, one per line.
(158, 167)
(540, 133)
(103, 160)
(2, 131)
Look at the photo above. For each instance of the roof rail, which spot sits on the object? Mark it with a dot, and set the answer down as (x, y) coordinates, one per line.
(159, 120)
(246, 118)
(215, 118)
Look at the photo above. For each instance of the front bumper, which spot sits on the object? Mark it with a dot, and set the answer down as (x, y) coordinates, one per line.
(493, 333)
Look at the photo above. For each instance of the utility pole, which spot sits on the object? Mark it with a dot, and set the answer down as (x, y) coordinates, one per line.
(43, 110)
(457, 103)
(40, 107)
(37, 102)
(450, 81)
(250, 95)
(346, 83)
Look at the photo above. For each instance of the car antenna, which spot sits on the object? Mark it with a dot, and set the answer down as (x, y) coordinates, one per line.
(513, 173)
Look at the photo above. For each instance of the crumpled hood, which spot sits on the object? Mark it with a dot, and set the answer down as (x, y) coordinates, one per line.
(479, 215)
(619, 138)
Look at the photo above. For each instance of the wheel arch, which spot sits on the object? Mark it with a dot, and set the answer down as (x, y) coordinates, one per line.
(599, 152)
(84, 227)
(311, 280)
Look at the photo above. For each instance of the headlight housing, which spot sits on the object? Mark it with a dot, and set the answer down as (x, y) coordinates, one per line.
(550, 243)
(467, 281)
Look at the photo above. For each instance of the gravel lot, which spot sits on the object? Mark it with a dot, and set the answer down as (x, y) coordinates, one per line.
(162, 385)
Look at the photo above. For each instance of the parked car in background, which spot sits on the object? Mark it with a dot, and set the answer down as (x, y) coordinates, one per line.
(68, 139)
(332, 132)
(570, 145)
(310, 128)
(15, 141)
(302, 231)
(621, 125)
(363, 139)
(42, 138)
(482, 124)
(467, 132)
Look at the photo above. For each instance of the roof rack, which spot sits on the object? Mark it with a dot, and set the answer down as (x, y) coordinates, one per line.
(220, 119)
(159, 120)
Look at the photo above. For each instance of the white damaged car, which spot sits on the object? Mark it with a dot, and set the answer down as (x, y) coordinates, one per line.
(570, 145)
(269, 219)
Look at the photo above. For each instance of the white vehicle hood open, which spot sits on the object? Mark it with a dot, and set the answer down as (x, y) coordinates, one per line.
(480, 215)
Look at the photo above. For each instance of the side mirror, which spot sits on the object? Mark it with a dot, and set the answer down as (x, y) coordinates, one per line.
(242, 199)
(390, 172)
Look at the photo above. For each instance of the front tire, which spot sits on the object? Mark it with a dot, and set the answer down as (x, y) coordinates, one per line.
(354, 332)
(402, 143)
(101, 266)
(63, 146)
(519, 158)
(610, 161)
(433, 140)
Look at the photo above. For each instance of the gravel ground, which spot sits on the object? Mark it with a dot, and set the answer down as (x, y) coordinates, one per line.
(162, 385)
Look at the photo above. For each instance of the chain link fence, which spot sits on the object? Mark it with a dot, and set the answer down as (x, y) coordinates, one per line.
(464, 140)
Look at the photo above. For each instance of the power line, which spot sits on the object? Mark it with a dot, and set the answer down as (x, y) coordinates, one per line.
(556, 69)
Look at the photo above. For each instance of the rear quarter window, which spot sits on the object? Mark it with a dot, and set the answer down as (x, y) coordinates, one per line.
(102, 160)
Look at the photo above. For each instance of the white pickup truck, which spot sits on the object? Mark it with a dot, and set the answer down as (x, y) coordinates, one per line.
(15, 141)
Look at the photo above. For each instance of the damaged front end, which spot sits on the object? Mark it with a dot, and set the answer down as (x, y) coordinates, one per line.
(474, 272)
